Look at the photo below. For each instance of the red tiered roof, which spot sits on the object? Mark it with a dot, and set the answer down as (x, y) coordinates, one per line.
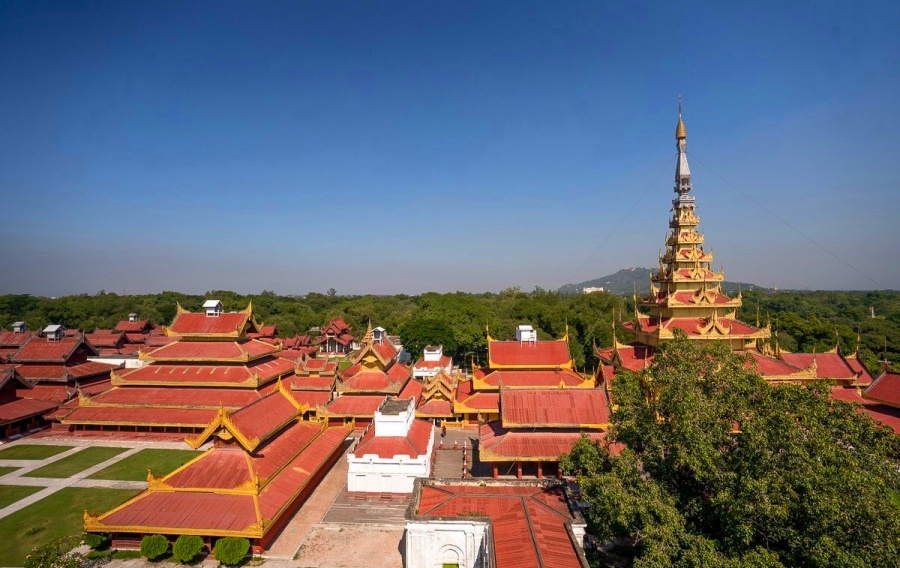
(769, 366)
(691, 325)
(63, 373)
(440, 364)
(140, 416)
(553, 408)
(525, 354)
(467, 396)
(435, 407)
(497, 443)
(413, 390)
(104, 339)
(242, 350)
(210, 493)
(267, 369)
(162, 396)
(529, 523)
(414, 444)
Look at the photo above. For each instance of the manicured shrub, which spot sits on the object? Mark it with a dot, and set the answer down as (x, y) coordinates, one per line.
(94, 540)
(186, 548)
(231, 550)
(153, 546)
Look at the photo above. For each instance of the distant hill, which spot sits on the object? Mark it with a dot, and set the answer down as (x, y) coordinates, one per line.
(624, 281)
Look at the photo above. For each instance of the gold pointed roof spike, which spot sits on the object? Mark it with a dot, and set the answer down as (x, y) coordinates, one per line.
(566, 336)
(367, 338)
(680, 130)
(757, 315)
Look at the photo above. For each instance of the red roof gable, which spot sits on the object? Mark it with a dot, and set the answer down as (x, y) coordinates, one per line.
(467, 396)
(242, 350)
(133, 326)
(413, 389)
(23, 408)
(553, 407)
(41, 350)
(13, 339)
(887, 415)
(199, 374)
(435, 407)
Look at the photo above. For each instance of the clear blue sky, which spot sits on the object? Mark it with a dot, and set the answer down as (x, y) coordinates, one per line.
(381, 147)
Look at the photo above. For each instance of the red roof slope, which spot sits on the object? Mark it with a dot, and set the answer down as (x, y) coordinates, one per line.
(540, 378)
(225, 324)
(538, 354)
(414, 444)
(500, 444)
(23, 408)
(529, 523)
(243, 350)
(886, 389)
(41, 350)
(553, 407)
(354, 405)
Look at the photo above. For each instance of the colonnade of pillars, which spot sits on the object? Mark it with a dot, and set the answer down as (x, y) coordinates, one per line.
(495, 470)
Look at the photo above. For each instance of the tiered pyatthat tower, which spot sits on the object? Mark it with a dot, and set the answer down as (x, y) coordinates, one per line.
(685, 292)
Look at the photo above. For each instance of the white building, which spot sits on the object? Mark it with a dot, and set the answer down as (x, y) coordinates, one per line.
(433, 361)
(393, 451)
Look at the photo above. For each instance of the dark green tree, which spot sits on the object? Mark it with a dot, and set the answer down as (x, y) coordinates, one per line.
(720, 468)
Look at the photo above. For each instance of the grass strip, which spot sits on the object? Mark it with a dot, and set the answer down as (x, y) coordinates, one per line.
(135, 466)
(31, 452)
(77, 462)
(9, 494)
(59, 514)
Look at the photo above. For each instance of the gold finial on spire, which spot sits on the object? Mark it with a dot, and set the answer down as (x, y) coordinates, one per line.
(680, 130)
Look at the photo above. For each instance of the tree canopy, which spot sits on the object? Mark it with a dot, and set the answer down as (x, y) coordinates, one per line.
(721, 469)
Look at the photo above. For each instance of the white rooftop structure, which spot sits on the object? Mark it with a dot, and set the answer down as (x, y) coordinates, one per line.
(213, 307)
(20, 327)
(526, 334)
(54, 332)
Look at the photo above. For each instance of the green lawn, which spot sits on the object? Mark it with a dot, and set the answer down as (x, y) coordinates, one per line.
(78, 461)
(5, 470)
(134, 467)
(9, 494)
(60, 514)
(31, 452)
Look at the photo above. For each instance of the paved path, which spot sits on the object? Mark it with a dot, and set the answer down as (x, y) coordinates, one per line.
(52, 485)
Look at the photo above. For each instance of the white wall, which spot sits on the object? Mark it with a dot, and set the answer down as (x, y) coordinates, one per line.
(429, 544)
(369, 473)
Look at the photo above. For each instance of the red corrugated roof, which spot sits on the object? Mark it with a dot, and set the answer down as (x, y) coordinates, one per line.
(541, 378)
(20, 408)
(769, 366)
(887, 415)
(465, 395)
(529, 522)
(553, 407)
(41, 350)
(369, 380)
(533, 444)
(538, 354)
(148, 416)
(195, 374)
(182, 396)
(886, 388)
(210, 512)
(133, 326)
(828, 365)
(312, 398)
(264, 417)
(202, 324)
(414, 444)
(440, 408)
(213, 350)
(11, 338)
(354, 405)
(104, 339)
(413, 389)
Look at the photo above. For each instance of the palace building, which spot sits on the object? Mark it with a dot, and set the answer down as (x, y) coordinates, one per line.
(376, 372)
(686, 295)
(525, 363)
(211, 363)
(265, 462)
(46, 369)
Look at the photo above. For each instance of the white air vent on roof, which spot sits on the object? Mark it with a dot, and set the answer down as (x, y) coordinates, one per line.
(526, 334)
(20, 327)
(54, 332)
(132, 317)
(213, 307)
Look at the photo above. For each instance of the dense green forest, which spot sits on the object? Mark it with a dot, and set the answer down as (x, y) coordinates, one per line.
(804, 320)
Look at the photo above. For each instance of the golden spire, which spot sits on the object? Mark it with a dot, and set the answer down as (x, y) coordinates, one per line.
(680, 130)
